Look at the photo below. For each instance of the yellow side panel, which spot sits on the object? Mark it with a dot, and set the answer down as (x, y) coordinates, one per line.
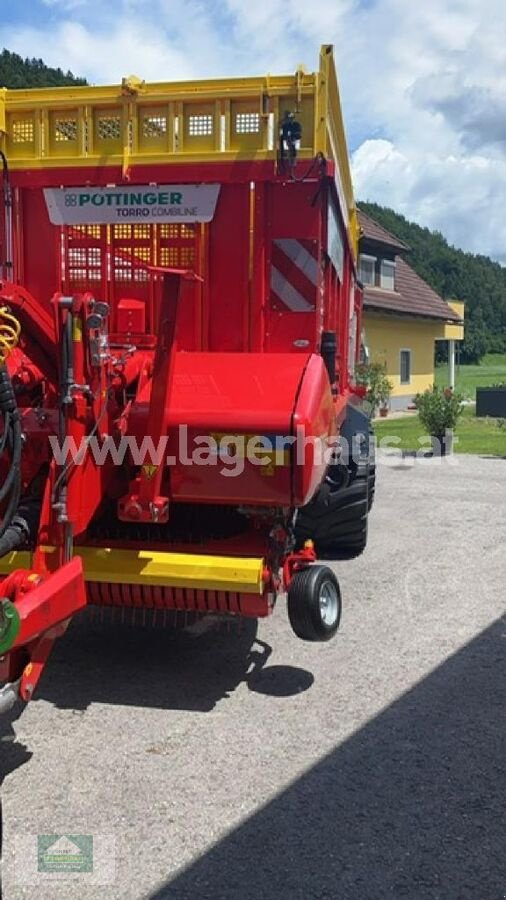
(199, 128)
(108, 130)
(246, 126)
(155, 129)
(65, 133)
(23, 135)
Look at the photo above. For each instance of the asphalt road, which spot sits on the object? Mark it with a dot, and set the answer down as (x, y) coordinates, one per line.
(250, 765)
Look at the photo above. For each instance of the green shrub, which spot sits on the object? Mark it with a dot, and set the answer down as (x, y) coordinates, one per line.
(439, 410)
(373, 376)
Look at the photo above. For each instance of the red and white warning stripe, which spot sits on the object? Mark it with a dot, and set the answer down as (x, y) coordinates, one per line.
(294, 273)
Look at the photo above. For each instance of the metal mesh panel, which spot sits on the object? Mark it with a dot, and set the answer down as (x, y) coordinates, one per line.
(169, 256)
(176, 246)
(247, 123)
(131, 252)
(109, 128)
(154, 126)
(23, 131)
(200, 125)
(84, 257)
(65, 130)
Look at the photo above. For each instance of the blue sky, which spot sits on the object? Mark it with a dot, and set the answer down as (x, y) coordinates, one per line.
(423, 85)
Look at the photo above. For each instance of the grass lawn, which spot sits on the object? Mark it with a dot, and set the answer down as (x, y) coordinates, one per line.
(481, 436)
(492, 370)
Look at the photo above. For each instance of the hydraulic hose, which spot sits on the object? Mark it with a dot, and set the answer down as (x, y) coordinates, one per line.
(12, 440)
(23, 528)
(319, 161)
(7, 192)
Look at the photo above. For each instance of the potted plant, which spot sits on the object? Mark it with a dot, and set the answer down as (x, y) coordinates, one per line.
(384, 390)
(373, 376)
(439, 410)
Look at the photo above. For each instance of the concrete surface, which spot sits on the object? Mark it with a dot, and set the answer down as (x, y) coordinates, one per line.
(251, 765)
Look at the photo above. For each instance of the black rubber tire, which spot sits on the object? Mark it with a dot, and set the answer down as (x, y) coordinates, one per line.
(371, 468)
(304, 609)
(372, 486)
(337, 520)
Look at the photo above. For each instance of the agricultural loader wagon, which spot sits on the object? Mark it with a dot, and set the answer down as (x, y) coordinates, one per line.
(179, 326)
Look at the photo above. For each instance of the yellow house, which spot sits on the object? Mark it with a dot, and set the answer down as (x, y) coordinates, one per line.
(403, 316)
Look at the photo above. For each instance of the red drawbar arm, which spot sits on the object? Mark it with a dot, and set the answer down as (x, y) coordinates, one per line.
(145, 502)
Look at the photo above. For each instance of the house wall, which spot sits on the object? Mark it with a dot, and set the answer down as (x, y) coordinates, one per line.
(387, 335)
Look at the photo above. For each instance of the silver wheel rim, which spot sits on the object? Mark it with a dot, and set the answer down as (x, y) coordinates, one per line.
(329, 604)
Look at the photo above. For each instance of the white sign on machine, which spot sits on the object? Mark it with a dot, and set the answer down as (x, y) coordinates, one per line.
(146, 203)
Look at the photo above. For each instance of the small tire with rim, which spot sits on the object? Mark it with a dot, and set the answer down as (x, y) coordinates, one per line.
(314, 603)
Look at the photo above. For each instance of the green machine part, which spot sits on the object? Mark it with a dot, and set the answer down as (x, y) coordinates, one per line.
(10, 624)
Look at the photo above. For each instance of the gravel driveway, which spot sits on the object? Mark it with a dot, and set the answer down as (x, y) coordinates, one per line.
(247, 764)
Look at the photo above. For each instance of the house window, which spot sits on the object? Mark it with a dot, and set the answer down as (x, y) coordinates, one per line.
(405, 366)
(387, 275)
(367, 269)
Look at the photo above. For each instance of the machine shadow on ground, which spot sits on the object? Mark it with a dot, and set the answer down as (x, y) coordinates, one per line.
(175, 668)
(181, 669)
(410, 806)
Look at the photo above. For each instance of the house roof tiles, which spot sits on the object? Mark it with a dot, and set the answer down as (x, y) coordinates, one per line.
(374, 232)
(412, 295)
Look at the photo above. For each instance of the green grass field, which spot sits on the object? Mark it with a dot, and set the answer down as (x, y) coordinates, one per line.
(492, 370)
(484, 437)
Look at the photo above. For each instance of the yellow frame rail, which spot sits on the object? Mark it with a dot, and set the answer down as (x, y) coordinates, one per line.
(156, 568)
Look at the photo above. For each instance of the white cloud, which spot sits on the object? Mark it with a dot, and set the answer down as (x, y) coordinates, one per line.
(457, 195)
(423, 85)
(437, 93)
(105, 55)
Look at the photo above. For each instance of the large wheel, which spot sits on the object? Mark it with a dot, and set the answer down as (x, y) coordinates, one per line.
(336, 520)
(372, 485)
(314, 603)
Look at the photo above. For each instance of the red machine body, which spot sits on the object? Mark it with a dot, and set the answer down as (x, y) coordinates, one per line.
(135, 329)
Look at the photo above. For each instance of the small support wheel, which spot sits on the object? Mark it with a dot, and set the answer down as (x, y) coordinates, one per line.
(314, 603)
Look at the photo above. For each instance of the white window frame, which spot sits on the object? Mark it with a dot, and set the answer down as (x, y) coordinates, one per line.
(391, 264)
(367, 258)
(401, 351)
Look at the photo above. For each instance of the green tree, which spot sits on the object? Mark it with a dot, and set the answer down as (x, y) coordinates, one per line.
(475, 344)
(16, 72)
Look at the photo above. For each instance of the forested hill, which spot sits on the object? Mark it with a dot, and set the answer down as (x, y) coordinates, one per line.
(16, 72)
(477, 280)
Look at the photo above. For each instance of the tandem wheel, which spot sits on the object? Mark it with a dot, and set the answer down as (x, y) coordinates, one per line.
(314, 603)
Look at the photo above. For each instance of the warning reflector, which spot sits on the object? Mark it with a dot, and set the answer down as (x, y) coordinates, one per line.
(294, 274)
